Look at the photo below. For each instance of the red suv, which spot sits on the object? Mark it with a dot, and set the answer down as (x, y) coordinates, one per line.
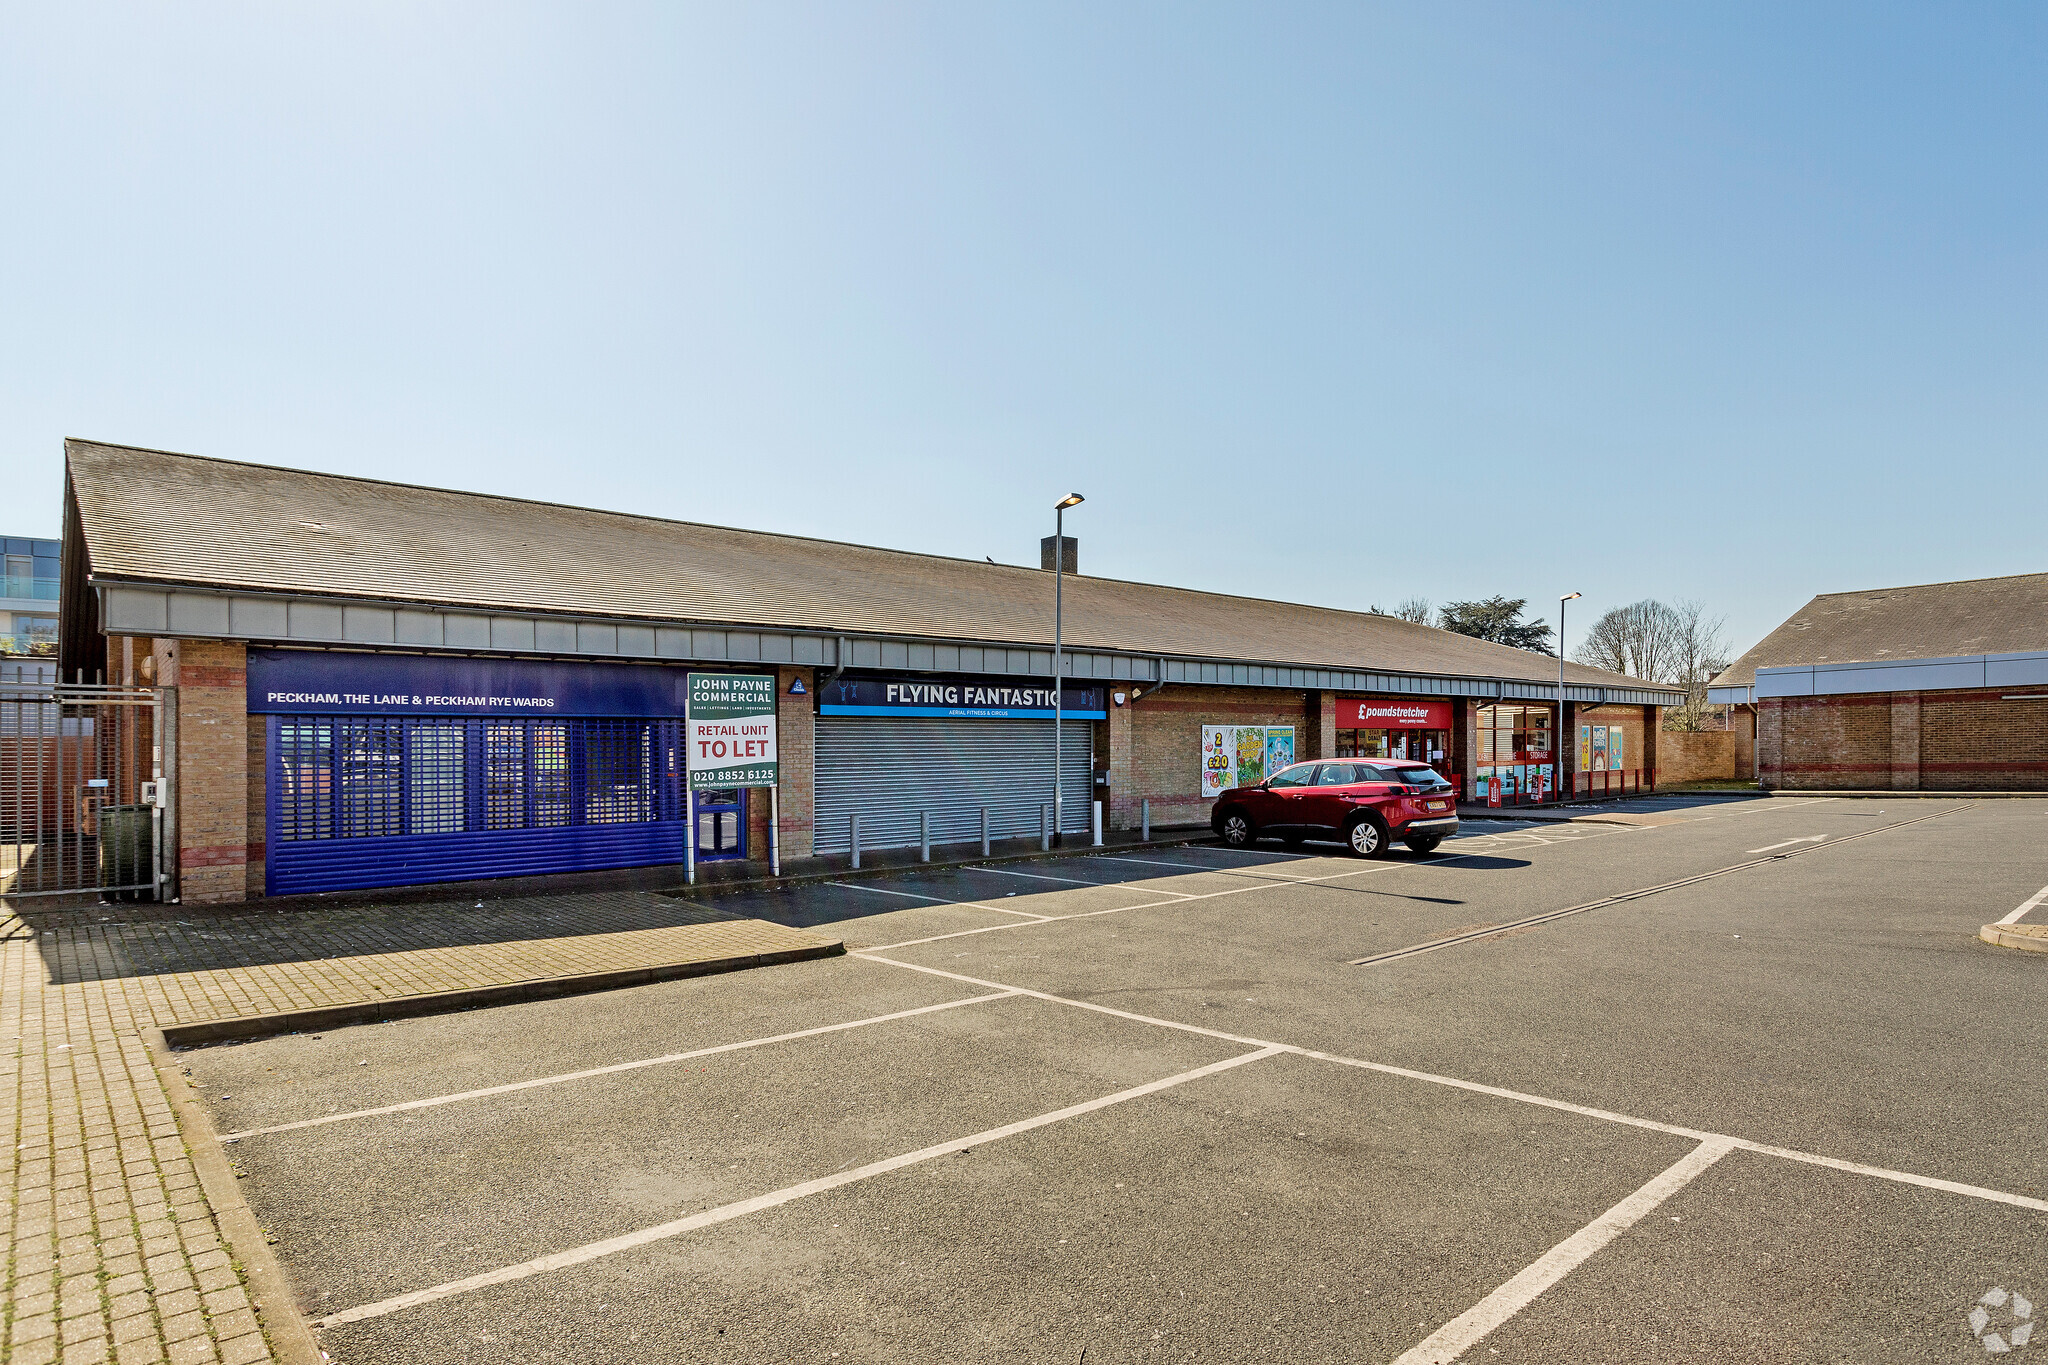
(1368, 805)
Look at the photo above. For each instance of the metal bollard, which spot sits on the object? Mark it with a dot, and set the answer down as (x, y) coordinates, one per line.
(984, 831)
(853, 830)
(1145, 820)
(1044, 837)
(924, 836)
(1098, 824)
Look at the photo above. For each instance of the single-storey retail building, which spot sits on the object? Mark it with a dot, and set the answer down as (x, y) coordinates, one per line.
(1942, 687)
(378, 684)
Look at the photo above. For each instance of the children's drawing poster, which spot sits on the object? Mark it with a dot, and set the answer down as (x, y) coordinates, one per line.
(1599, 748)
(1614, 746)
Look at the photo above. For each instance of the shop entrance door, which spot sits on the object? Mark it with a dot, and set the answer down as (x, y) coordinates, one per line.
(1419, 746)
(721, 824)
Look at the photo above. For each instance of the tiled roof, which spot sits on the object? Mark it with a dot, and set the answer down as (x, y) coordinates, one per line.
(1928, 621)
(181, 519)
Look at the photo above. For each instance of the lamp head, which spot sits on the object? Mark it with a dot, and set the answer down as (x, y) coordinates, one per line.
(1569, 596)
(1070, 500)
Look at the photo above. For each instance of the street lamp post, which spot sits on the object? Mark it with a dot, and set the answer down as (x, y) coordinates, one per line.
(1059, 564)
(1561, 749)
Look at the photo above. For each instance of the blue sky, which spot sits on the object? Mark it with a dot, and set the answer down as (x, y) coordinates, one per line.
(1341, 304)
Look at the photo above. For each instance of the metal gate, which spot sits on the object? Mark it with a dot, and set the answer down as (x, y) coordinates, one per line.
(888, 769)
(81, 791)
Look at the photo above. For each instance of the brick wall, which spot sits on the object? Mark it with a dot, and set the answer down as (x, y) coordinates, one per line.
(1816, 743)
(1114, 754)
(213, 790)
(257, 757)
(1165, 746)
(1696, 756)
(1979, 741)
(1905, 741)
(1321, 708)
(1465, 744)
(796, 747)
(1638, 726)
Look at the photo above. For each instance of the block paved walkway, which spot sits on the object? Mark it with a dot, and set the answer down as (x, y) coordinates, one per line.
(112, 1250)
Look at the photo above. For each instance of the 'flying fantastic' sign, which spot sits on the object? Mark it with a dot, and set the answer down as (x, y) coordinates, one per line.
(960, 698)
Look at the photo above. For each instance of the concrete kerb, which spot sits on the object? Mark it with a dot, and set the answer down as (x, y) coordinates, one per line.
(471, 997)
(2030, 938)
(1808, 793)
(290, 1336)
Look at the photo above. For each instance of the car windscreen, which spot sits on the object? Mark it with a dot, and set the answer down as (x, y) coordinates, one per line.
(1416, 777)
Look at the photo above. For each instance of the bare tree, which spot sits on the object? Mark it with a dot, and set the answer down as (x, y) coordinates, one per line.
(1659, 643)
(1416, 609)
(1636, 640)
(1698, 651)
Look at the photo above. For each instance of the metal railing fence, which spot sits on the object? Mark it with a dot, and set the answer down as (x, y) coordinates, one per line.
(81, 793)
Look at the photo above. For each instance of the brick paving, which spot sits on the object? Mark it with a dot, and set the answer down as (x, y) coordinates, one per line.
(112, 1251)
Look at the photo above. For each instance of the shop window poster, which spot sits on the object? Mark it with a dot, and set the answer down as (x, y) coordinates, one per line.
(1585, 747)
(1251, 755)
(1599, 748)
(1240, 755)
(1279, 747)
(1614, 746)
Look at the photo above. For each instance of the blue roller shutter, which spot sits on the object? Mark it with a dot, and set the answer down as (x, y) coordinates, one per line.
(360, 801)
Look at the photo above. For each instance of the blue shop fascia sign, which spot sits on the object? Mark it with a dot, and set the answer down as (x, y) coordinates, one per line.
(301, 682)
(960, 698)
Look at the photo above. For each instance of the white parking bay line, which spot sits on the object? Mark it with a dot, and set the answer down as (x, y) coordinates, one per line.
(1071, 881)
(2032, 901)
(727, 1212)
(2018, 1201)
(941, 900)
(1805, 839)
(615, 1068)
(1463, 1332)
(1185, 867)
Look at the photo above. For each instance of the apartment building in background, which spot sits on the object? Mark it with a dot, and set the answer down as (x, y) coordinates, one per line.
(28, 597)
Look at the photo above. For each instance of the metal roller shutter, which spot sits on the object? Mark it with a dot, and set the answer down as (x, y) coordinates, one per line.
(888, 769)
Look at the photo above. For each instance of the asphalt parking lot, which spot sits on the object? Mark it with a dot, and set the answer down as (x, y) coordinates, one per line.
(1202, 1104)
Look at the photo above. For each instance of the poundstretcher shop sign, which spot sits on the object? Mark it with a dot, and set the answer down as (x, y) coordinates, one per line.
(732, 730)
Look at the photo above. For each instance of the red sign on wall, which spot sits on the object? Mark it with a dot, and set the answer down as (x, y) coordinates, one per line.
(1384, 713)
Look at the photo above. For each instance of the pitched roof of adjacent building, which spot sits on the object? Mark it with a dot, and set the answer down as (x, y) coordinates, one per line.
(1926, 621)
(156, 517)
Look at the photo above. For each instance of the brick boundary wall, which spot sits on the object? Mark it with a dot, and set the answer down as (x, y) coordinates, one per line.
(1696, 755)
(1963, 740)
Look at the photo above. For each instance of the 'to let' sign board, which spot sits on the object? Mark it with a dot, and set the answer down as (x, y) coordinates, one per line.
(730, 729)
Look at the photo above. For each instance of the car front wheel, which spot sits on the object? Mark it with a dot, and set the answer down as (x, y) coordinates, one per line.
(1367, 837)
(1236, 829)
